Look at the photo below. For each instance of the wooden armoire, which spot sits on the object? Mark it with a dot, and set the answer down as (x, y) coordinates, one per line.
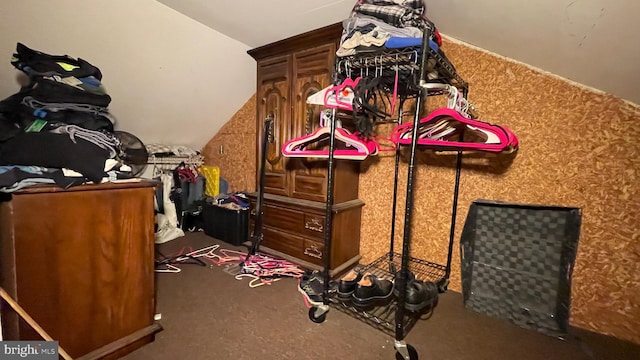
(295, 189)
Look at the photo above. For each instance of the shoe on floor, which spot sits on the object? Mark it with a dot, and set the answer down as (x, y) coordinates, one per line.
(311, 285)
(372, 290)
(312, 288)
(348, 283)
(309, 274)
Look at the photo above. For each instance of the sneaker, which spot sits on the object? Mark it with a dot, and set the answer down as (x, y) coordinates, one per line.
(311, 286)
(371, 290)
(348, 283)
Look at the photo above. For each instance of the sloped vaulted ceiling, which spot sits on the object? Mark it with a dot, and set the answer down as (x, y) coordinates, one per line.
(591, 42)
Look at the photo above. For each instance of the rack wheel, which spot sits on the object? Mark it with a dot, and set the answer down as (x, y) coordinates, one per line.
(317, 319)
(412, 354)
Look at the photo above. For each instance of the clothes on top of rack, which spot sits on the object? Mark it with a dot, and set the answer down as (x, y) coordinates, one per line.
(363, 40)
(372, 23)
(363, 24)
(399, 13)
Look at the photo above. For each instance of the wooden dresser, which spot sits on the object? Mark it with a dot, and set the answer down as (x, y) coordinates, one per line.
(81, 263)
(288, 71)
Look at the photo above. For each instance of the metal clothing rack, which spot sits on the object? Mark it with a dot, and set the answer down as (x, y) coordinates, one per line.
(423, 62)
(169, 163)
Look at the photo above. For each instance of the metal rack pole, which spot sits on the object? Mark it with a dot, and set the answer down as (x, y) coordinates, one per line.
(401, 280)
(256, 239)
(392, 267)
(328, 221)
(454, 210)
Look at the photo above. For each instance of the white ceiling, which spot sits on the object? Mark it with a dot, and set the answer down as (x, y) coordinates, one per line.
(591, 42)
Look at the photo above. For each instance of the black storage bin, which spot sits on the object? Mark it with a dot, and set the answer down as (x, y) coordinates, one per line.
(228, 225)
(517, 261)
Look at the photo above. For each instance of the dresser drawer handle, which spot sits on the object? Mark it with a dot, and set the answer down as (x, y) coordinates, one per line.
(313, 252)
(314, 225)
(253, 212)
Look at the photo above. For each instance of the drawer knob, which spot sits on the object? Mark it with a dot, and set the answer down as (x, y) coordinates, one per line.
(313, 251)
(253, 212)
(314, 225)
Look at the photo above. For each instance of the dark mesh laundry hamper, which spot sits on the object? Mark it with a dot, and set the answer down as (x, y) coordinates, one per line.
(517, 261)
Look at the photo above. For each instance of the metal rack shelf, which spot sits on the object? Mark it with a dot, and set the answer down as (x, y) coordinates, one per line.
(438, 68)
(383, 317)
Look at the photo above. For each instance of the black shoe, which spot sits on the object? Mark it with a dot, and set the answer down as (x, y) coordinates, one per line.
(421, 296)
(411, 277)
(371, 290)
(348, 283)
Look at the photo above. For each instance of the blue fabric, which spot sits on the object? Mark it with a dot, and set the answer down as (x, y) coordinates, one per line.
(395, 42)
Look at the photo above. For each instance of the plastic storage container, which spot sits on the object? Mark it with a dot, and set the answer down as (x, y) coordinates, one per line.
(228, 225)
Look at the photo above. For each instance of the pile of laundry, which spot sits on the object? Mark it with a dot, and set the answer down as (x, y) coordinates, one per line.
(57, 129)
(235, 201)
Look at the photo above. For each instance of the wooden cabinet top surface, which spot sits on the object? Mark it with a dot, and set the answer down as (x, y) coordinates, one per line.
(137, 183)
(302, 41)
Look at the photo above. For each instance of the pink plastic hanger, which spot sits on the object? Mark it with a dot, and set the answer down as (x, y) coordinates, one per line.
(341, 96)
(436, 130)
(352, 147)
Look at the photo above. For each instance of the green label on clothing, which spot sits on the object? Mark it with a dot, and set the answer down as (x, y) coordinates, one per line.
(36, 126)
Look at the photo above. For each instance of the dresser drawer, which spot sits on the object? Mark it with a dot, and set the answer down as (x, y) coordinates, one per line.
(312, 251)
(280, 241)
(298, 222)
(295, 230)
(282, 218)
(296, 246)
(314, 225)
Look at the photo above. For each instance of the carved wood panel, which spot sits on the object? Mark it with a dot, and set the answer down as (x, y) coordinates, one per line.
(273, 92)
(312, 71)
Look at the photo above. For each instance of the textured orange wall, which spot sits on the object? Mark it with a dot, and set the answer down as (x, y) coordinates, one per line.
(577, 148)
(237, 137)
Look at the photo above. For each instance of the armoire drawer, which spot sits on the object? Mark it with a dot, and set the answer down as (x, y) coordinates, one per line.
(294, 229)
(296, 246)
(299, 222)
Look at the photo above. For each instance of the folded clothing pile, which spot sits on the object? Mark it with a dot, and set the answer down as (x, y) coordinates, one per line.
(376, 25)
(59, 121)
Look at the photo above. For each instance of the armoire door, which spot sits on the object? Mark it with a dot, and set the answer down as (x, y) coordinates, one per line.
(312, 71)
(273, 101)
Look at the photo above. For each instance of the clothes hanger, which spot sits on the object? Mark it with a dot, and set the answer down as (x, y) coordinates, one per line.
(455, 100)
(493, 138)
(435, 130)
(442, 125)
(168, 269)
(341, 96)
(353, 147)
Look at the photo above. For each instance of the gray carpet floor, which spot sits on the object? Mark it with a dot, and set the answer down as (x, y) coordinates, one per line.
(208, 314)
